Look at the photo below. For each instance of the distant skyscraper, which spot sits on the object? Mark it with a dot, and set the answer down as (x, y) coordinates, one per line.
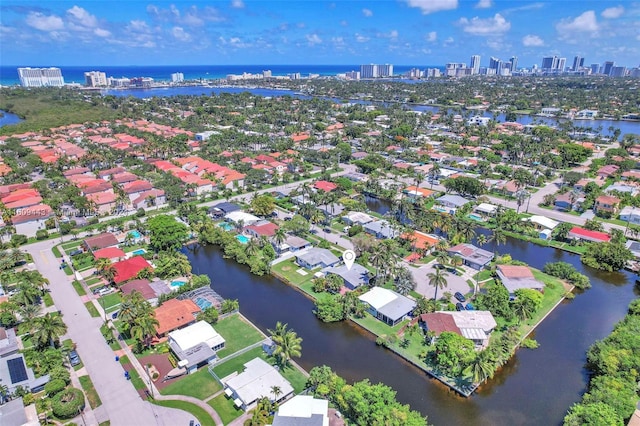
(595, 68)
(578, 62)
(514, 63)
(385, 70)
(607, 67)
(618, 71)
(353, 75)
(95, 79)
(40, 77)
(475, 64)
(177, 77)
(549, 63)
(368, 71)
(494, 63)
(266, 74)
(562, 63)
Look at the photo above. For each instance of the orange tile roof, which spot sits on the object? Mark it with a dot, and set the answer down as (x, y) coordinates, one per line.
(174, 314)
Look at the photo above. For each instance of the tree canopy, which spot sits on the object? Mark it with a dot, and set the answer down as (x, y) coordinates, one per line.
(166, 233)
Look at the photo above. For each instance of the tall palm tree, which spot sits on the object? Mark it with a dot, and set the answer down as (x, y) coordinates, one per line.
(437, 279)
(481, 240)
(287, 342)
(27, 294)
(144, 328)
(481, 368)
(404, 282)
(279, 237)
(48, 329)
(276, 391)
(442, 258)
(466, 230)
(29, 312)
(498, 236)
(252, 248)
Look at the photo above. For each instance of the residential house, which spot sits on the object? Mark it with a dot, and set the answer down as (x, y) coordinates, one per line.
(114, 254)
(325, 186)
(608, 170)
(387, 305)
(417, 192)
(485, 209)
(292, 244)
(142, 286)
(104, 202)
(256, 381)
(630, 215)
(316, 257)
(471, 255)
(264, 228)
(381, 229)
(175, 314)
(476, 326)
(15, 412)
(581, 234)
(542, 222)
(220, 209)
(104, 240)
(567, 201)
(29, 220)
(135, 188)
(302, 410)
(421, 241)
(450, 203)
(151, 198)
(357, 218)
(630, 188)
(515, 277)
(242, 217)
(129, 268)
(195, 345)
(509, 188)
(436, 323)
(606, 204)
(353, 277)
(13, 368)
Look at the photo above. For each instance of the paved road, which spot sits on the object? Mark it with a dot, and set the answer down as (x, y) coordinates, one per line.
(120, 401)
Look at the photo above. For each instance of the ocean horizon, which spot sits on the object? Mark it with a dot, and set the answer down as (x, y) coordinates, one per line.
(75, 74)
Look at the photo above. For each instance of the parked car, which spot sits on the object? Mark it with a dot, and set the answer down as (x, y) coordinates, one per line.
(459, 296)
(459, 307)
(327, 230)
(287, 218)
(314, 231)
(469, 307)
(74, 358)
(75, 253)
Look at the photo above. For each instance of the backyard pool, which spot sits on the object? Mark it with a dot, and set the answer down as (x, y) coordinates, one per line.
(226, 226)
(135, 234)
(138, 252)
(243, 239)
(176, 284)
(475, 217)
(203, 303)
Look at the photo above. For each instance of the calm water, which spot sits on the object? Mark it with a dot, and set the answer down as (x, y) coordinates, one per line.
(8, 118)
(535, 388)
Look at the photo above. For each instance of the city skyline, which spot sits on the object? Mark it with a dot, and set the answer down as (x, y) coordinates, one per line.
(250, 32)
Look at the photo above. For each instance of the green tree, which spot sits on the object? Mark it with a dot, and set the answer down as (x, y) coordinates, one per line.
(47, 329)
(592, 414)
(481, 368)
(607, 256)
(526, 304)
(171, 265)
(209, 315)
(438, 280)
(453, 353)
(263, 205)
(287, 342)
(166, 233)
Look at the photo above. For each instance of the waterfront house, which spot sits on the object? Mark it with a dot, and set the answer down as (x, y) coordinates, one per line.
(606, 204)
(471, 255)
(417, 192)
(352, 278)
(195, 345)
(97, 242)
(255, 382)
(515, 277)
(542, 222)
(174, 314)
(631, 215)
(316, 257)
(357, 218)
(387, 305)
(129, 268)
(485, 209)
(634, 247)
(325, 186)
(476, 326)
(241, 217)
(436, 323)
(381, 229)
(421, 241)
(450, 203)
(292, 244)
(581, 234)
(264, 228)
(303, 410)
(221, 209)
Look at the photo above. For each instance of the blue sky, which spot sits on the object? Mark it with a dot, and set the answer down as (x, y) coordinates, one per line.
(420, 32)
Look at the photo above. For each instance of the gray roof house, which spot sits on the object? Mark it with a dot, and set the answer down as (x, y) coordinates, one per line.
(292, 243)
(381, 229)
(452, 201)
(317, 257)
(255, 382)
(387, 305)
(516, 277)
(353, 278)
(223, 208)
(471, 255)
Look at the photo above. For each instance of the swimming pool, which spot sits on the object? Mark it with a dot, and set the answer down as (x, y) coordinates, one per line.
(203, 303)
(135, 234)
(176, 284)
(243, 239)
(226, 226)
(475, 217)
(139, 252)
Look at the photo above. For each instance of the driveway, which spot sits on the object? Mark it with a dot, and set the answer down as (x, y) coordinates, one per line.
(120, 401)
(454, 282)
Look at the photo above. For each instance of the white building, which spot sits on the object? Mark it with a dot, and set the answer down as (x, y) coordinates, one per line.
(478, 121)
(40, 77)
(177, 77)
(353, 75)
(255, 382)
(630, 214)
(475, 64)
(118, 82)
(303, 410)
(95, 79)
(195, 345)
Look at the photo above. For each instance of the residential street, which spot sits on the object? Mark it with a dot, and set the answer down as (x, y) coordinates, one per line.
(120, 401)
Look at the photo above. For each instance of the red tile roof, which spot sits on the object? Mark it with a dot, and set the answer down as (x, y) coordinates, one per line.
(594, 235)
(174, 314)
(439, 323)
(325, 186)
(28, 214)
(266, 229)
(109, 253)
(141, 286)
(127, 269)
(515, 271)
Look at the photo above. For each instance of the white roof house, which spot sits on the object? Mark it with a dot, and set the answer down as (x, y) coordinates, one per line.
(303, 410)
(486, 208)
(200, 332)
(255, 382)
(246, 218)
(475, 325)
(544, 222)
(387, 305)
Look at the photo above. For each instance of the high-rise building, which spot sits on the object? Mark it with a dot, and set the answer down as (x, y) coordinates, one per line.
(95, 79)
(514, 63)
(40, 77)
(606, 68)
(495, 64)
(578, 62)
(475, 64)
(368, 71)
(618, 71)
(385, 70)
(177, 77)
(353, 75)
(550, 63)
(266, 74)
(595, 68)
(562, 63)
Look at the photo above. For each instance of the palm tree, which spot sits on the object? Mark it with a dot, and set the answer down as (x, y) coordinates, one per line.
(522, 311)
(144, 328)
(15, 256)
(437, 279)
(466, 230)
(442, 258)
(29, 312)
(404, 282)
(481, 240)
(498, 236)
(27, 294)
(252, 248)
(279, 237)
(276, 391)
(287, 342)
(48, 329)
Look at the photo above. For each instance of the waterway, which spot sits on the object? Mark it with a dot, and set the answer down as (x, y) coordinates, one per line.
(535, 388)
(8, 118)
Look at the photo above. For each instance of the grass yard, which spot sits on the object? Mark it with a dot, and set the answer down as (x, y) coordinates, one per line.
(93, 280)
(71, 245)
(225, 408)
(287, 270)
(297, 379)
(92, 309)
(199, 385)
(307, 287)
(56, 252)
(203, 417)
(67, 270)
(238, 334)
(237, 364)
(110, 300)
(47, 299)
(79, 288)
(90, 391)
(137, 382)
(376, 326)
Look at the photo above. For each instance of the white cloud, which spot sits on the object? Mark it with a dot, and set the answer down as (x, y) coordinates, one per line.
(237, 4)
(431, 6)
(361, 39)
(478, 26)
(138, 26)
(584, 23)
(80, 16)
(101, 33)
(613, 12)
(42, 22)
(367, 12)
(431, 36)
(313, 39)
(531, 40)
(484, 4)
(180, 34)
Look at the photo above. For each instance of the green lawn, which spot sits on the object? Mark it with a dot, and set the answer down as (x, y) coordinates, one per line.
(79, 288)
(110, 300)
(47, 299)
(376, 326)
(287, 270)
(90, 391)
(297, 379)
(203, 417)
(237, 363)
(56, 251)
(199, 385)
(137, 382)
(114, 345)
(225, 408)
(237, 333)
(67, 270)
(93, 280)
(71, 245)
(92, 309)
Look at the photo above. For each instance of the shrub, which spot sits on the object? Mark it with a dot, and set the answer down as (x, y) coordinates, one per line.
(60, 373)
(68, 403)
(529, 344)
(54, 386)
(18, 239)
(140, 212)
